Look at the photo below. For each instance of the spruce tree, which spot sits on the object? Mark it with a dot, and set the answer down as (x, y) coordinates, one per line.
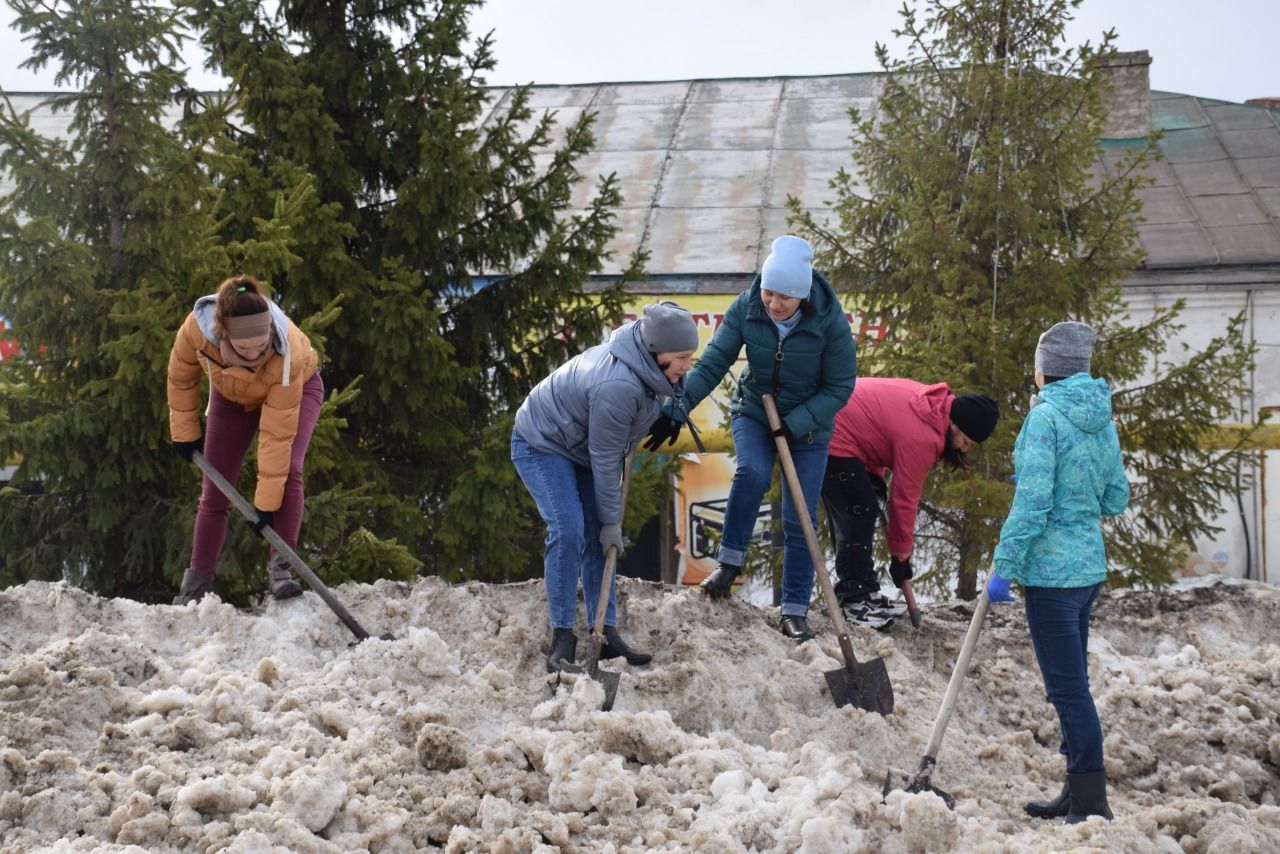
(106, 239)
(450, 241)
(981, 208)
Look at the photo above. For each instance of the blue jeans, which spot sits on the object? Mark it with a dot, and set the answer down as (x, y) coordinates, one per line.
(566, 498)
(1059, 622)
(755, 451)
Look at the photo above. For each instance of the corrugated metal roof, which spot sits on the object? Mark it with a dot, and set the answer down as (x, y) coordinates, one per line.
(706, 167)
(1223, 160)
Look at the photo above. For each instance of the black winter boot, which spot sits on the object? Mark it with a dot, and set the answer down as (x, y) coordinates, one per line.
(194, 587)
(1055, 808)
(564, 645)
(797, 628)
(1088, 796)
(616, 647)
(719, 583)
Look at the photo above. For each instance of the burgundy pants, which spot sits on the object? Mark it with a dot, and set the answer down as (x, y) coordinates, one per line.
(229, 430)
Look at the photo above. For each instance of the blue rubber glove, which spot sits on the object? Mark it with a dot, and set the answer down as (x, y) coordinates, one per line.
(998, 589)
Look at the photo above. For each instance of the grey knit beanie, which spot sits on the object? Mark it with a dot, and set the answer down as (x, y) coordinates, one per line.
(1065, 349)
(665, 327)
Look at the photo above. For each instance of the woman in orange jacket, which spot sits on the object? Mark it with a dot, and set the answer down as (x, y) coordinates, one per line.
(263, 379)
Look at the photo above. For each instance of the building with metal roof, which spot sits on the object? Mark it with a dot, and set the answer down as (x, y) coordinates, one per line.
(706, 166)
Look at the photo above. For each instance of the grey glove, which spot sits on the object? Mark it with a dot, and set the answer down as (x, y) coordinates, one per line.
(611, 535)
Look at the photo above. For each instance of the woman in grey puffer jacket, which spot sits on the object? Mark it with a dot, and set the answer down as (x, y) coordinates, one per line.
(572, 434)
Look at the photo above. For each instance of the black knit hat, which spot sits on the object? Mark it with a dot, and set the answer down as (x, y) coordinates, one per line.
(975, 414)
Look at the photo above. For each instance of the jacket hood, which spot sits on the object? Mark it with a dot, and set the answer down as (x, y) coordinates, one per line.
(206, 308)
(626, 345)
(933, 405)
(1085, 401)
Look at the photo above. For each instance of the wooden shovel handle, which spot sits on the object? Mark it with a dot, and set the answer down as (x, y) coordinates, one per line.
(810, 537)
(957, 677)
(282, 548)
(611, 560)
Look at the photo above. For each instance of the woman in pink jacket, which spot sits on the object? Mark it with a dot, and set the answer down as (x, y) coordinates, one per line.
(899, 426)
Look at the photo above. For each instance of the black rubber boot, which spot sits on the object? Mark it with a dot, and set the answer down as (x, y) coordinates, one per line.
(564, 645)
(616, 647)
(797, 628)
(194, 587)
(1055, 808)
(1088, 796)
(719, 583)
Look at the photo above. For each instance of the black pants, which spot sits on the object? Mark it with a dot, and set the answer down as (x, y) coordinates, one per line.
(850, 495)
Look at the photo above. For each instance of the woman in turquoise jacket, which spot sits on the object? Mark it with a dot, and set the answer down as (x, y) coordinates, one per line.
(1069, 474)
(799, 349)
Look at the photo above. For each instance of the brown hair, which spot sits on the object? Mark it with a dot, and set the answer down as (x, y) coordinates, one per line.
(238, 296)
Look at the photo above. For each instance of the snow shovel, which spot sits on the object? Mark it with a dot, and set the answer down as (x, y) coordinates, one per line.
(282, 548)
(862, 684)
(608, 679)
(921, 781)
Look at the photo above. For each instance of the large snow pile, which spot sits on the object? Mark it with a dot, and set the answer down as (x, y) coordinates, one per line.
(126, 727)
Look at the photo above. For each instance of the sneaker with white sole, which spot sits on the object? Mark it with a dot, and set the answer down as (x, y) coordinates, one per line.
(866, 613)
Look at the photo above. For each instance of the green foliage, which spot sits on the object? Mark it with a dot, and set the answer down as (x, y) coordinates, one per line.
(427, 247)
(98, 240)
(447, 230)
(982, 210)
(104, 243)
(1179, 471)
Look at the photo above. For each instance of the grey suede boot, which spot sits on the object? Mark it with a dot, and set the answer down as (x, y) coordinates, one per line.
(194, 587)
(280, 580)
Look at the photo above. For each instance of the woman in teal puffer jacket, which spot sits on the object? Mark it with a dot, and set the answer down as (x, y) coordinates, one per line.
(1070, 473)
(799, 349)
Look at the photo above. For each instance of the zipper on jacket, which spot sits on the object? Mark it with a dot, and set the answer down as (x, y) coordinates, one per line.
(205, 353)
(777, 376)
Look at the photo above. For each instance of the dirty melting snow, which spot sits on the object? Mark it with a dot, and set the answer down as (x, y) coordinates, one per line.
(126, 727)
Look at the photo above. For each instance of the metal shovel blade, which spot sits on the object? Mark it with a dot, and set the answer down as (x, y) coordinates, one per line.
(607, 678)
(863, 684)
(921, 782)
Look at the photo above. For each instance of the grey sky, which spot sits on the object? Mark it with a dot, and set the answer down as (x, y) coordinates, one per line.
(1221, 49)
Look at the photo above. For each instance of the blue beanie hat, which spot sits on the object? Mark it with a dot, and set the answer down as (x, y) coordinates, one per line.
(789, 268)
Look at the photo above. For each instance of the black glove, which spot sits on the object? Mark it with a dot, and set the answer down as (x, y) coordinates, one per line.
(265, 518)
(665, 429)
(186, 449)
(781, 432)
(900, 571)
